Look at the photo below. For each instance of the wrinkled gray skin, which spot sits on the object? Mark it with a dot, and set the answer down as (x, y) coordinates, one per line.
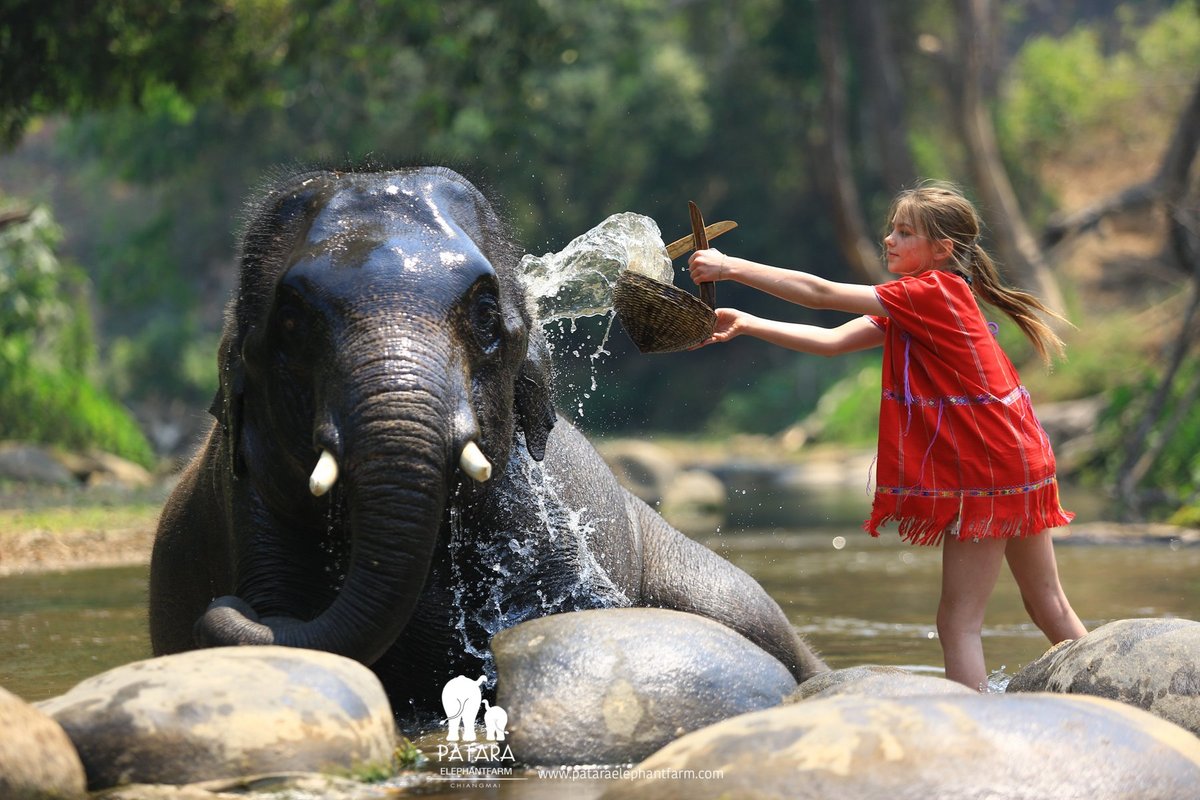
(379, 317)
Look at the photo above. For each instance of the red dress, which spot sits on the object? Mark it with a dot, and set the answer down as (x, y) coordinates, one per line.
(959, 444)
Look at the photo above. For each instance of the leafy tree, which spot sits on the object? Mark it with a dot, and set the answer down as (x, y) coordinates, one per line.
(80, 55)
(46, 348)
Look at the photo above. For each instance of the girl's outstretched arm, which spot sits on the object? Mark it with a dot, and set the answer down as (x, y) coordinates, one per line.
(787, 284)
(857, 334)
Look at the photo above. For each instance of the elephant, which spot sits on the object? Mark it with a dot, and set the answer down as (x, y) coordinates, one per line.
(386, 476)
(460, 701)
(495, 720)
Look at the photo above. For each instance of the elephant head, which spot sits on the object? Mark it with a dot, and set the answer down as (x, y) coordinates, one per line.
(379, 342)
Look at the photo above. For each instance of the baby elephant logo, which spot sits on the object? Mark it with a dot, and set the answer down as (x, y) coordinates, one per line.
(494, 720)
(460, 701)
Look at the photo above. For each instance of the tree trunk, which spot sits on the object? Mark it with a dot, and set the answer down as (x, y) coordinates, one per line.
(834, 170)
(1019, 252)
(883, 91)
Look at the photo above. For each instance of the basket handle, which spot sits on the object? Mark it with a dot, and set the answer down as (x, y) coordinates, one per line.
(708, 289)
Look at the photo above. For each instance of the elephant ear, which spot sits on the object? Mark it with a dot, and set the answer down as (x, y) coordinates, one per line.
(532, 397)
(286, 203)
(227, 404)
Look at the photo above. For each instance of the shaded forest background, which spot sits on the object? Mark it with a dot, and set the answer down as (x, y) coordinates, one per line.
(133, 130)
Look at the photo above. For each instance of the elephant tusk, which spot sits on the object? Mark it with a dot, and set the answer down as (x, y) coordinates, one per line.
(324, 475)
(475, 463)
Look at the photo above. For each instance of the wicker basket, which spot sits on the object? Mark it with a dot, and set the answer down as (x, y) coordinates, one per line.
(660, 317)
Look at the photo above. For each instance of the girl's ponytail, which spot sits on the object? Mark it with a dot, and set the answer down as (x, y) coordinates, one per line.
(1022, 307)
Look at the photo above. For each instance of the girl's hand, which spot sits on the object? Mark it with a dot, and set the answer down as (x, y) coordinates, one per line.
(706, 266)
(731, 323)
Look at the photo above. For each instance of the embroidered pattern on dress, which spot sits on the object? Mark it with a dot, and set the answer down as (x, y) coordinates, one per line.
(1003, 491)
(957, 400)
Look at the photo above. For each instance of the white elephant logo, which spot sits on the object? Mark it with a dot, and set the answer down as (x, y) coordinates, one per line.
(460, 701)
(495, 719)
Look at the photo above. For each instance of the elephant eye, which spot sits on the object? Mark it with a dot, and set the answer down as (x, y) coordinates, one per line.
(485, 320)
(290, 321)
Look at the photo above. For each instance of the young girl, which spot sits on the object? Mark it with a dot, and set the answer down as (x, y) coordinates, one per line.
(962, 459)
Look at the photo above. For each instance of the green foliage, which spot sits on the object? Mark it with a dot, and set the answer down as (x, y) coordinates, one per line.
(571, 111)
(46, 348)
(75, 56)
(767, 405)
(849, 412)
(778, 396)
(1060, 88)
(1060, 85)
(65, 409)
(1188, 516)
(407, 755)
(1177, 468)
(135, 363)
(1175, 473)
(1095, 356)
(43, 310)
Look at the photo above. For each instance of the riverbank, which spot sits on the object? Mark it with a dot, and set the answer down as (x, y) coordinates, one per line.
(49, 528)
(46, 529)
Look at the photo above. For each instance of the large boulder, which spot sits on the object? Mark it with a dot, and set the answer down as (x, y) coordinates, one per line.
(1150, 663)
(97, 468)
(227, 712)
(874, 680)
(1023, 747)
(693, 492)
(612, 686)
(645, 469)
(37, 760)
(30, 463)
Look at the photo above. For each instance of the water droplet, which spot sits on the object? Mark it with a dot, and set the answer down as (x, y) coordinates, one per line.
(839, 542)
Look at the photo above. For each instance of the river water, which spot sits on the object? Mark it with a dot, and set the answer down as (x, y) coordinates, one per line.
(856, 599)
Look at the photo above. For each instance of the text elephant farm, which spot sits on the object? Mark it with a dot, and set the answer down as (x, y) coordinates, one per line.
(386, 477)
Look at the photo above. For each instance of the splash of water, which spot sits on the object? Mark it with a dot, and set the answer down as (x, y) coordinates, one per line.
(997, 681)
(521, 560)
(578, 280)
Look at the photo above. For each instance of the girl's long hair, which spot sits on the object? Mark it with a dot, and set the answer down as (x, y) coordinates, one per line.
(939, 210)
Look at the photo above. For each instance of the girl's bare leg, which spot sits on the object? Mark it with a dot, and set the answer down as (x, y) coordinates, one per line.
(1033, 565)
(969, 572)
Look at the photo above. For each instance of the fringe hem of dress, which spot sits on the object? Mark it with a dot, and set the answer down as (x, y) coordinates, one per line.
(925, 520)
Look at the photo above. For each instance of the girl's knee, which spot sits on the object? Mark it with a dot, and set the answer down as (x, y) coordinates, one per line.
(1047, 606)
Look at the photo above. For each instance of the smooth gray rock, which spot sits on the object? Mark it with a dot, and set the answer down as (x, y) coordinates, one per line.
(30, 463)
(694, 491)
(952, 747)
(227, 712)
(37, 760)
(641, 467)
(874, 680)
(1153, 664)
(612, 686)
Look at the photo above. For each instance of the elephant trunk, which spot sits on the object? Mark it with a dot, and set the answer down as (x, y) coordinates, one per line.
(399, 450)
